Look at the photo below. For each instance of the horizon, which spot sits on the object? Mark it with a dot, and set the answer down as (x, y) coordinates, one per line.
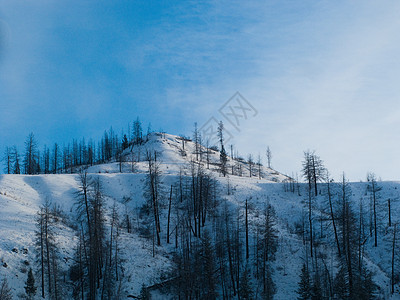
(319, 76)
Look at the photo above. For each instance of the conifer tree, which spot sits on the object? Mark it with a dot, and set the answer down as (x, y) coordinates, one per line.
(223, 157)
(17, 168)
(5, 291)
(125, 142)
(144, 293)
(30, 288)
(7, 160)
(245, 288)
(209, 281)
(304, 290)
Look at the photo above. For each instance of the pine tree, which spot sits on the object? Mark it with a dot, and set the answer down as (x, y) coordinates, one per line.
(245, 288)
(316, 289)
(144, 293)
(353, 280)
(304, 290)
(125, 142)
(7, 160)
(17, 168)
(5, 291)
(30, 287)
(223, 159)
(269, 285)
(209, 280)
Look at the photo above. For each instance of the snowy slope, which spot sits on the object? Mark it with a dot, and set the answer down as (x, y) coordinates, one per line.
(22, 195)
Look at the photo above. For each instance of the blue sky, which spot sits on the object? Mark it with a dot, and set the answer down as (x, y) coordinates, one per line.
(322, 75)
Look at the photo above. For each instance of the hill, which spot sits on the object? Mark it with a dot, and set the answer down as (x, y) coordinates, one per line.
(143, 263)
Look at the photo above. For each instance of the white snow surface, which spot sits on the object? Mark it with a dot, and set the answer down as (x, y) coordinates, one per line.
(22, 195)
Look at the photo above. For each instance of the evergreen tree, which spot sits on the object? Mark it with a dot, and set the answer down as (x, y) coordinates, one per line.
(245, 288)
(223, 157)
(17, 168)
(316, 289)
(353, 280)
(5, 291)
(137, 132)
(269, 286)
(144, 293)
(209, 280)
(7, 160)
(340, 284)
(125, 142)
(30, 287)
(304, 290)
(267, 243)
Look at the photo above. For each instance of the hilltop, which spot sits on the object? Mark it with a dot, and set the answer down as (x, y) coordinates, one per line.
(123, 183)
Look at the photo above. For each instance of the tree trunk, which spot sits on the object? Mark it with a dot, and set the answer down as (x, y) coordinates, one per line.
(247, 234)
(393, 256)
(310, 222)
(169, 214)
(333, 219)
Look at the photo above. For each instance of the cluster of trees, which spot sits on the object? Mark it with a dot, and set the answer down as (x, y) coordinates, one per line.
(230, 259)
(67, 158)
(219, 253)
(346, 225)
(95, 272)
(202, 150)
(97, 267)
(47, 252)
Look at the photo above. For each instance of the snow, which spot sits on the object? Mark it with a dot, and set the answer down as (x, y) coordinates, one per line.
(22, 195)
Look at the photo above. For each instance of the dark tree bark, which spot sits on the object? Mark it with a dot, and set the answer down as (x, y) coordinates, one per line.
(169, 214)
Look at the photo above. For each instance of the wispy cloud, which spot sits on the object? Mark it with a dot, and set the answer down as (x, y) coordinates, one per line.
(323, 75)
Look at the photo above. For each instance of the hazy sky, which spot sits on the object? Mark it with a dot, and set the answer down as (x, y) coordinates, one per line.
(322, 75)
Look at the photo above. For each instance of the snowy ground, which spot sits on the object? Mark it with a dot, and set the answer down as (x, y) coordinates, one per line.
(22, 195)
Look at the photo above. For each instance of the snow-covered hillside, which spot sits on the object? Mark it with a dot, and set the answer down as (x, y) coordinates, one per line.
(21, 197)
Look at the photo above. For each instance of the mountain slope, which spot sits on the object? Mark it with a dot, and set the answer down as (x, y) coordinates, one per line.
(21, 197)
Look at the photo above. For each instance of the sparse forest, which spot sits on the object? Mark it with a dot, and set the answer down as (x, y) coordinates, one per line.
(222, 240)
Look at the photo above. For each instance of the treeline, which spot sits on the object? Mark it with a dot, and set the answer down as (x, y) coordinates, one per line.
(219, 253)
(237, 165)
(69, 157)
(333, 219)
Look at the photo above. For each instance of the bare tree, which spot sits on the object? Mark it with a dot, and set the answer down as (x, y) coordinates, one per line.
(8, 160)
(196, 141)
(313, 170)
(153, 189)
(332, 215)
(259, 165)
(374, 189)
(250, 163)
(393, 258)
(31, 155)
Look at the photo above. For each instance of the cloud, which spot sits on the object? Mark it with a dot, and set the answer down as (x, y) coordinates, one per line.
(322, 75)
